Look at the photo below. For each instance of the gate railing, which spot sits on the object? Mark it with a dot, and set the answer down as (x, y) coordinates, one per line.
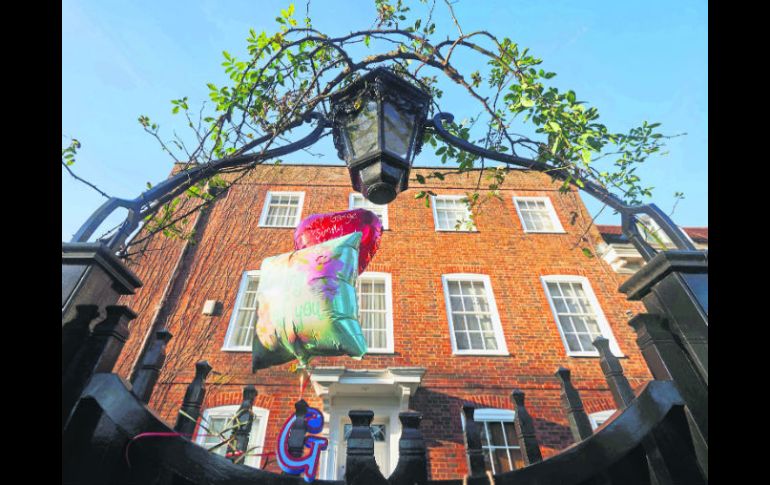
(660, 436)
(111, 437)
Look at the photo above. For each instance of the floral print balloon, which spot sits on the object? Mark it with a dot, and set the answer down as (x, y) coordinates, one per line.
(308, 305)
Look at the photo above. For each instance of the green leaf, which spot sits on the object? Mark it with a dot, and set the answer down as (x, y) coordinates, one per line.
(555, 146)
(526, 102)
(586, 154)
(587, 252)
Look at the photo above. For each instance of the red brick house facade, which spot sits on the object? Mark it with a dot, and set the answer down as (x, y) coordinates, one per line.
(458, 316)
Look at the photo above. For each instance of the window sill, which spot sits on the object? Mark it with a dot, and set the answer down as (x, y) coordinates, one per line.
(592, 355)
(478, 353)
(235, 349)
(457, 230)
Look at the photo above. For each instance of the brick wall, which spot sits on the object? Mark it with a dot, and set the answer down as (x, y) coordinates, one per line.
(228, 242)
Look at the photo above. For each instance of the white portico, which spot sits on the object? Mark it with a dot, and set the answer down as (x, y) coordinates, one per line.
(386, 392)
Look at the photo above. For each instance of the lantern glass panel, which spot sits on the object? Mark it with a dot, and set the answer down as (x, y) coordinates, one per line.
(398, 127)
(361, 132)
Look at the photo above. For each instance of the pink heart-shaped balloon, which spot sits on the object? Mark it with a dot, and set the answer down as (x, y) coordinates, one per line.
(318, 228)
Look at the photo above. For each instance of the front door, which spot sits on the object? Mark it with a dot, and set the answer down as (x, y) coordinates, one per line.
(381, 435)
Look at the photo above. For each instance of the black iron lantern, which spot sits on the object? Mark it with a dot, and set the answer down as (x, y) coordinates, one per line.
(378, 123)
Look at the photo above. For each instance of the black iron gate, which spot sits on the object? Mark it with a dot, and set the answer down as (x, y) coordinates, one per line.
(659, 436)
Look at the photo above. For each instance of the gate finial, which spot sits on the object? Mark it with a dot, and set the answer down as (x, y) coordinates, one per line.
(525, 430)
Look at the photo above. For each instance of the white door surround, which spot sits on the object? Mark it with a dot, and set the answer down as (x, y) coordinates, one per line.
(382, 452)
(386, 392)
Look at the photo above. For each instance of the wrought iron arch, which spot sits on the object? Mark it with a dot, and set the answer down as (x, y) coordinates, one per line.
(148, 202)
(629, 213)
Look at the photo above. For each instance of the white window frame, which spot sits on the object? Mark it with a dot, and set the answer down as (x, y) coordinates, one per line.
(600, 417)
(384, 207)
(601, 320)
(495, 316)
(494, 415)
(390, 348)
(257, 432)
(435, 214)
(266, 207)
(230, 327)
(558, 228)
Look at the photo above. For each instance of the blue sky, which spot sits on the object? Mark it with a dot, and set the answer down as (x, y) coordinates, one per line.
(634, 61)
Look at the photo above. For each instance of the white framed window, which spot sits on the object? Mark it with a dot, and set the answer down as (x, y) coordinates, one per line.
(450, 213)
(240, 331)
(578, 315)
(474, 324)
(357, 201)
(375, 310)
(282, 209)
(215, 427)
(537, 214)
(598, 418)
(378, 431)
(498, 439)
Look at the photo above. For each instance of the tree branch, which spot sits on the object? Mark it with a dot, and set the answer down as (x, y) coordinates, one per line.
(101, 192)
